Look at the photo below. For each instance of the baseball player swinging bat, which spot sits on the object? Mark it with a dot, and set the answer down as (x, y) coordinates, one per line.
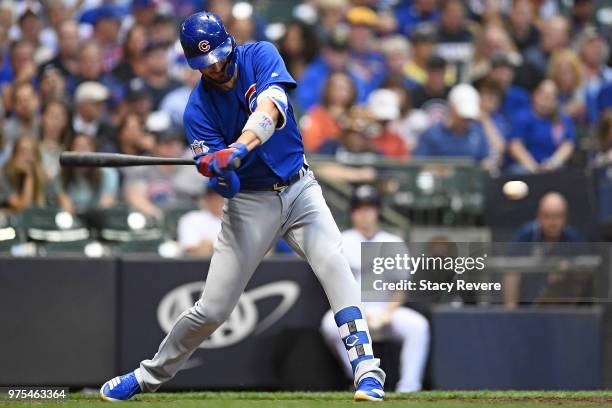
(240, 109)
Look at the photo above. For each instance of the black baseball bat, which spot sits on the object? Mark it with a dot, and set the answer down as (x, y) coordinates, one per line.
(90, 159)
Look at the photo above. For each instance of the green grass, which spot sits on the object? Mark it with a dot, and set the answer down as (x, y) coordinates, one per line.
(430, 399)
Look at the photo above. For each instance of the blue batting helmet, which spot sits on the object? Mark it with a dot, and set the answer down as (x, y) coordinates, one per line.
(205, 40)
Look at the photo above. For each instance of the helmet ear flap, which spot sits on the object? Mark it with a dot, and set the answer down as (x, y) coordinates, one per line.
(231, 64)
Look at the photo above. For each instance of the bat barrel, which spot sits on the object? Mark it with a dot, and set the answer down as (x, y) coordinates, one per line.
(81, 159)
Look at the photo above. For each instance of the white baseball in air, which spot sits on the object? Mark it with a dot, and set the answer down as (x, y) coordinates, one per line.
(515, 189)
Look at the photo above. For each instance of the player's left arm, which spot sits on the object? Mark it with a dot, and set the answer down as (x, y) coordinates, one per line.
(272, 80)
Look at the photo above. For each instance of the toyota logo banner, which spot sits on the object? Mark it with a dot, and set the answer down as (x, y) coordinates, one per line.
(282, 295)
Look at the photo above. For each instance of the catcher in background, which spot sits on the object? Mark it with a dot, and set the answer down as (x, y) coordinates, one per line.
(240, 111)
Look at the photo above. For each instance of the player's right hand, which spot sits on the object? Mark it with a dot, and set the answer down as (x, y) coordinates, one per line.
(227, 185)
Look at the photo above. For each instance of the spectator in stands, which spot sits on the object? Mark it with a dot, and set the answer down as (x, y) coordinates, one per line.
(66, 58)
(298, 47)
(156, 77)
(411, 14)
(331, 14)
(30, 26)
(175, 102)
(55, 133)
(423, 43)
(603, 154)
(198, 230)
(412, 122)
(385, 107)
(496, 126)
(354, 144)
(459, 134)
(151, 189)
(23, 67)
(565, 69)
(397, 54)
(90, 69)
(52, 85)
(365, 62)
(520, 24)
(334, 57)
(550, 225)
(493, 40)
(593, 52)
(138, 99)
(431, 96)
(22, 181)
(132, 138)
(132, 62)
(85, 188)
(163, 30)
(90, 111)
(555, 35)
(106, 27)
(455, 38)
(323, 122)
(25, 119)
(542, 137)
(514, 98)
(581, 15)
(387, 319)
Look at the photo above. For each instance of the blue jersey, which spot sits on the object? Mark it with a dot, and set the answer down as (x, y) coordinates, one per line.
(214, 118)
(540, 135)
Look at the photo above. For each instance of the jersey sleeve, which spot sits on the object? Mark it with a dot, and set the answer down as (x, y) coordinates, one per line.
(202, 135)
(272, 77)
(270, 68)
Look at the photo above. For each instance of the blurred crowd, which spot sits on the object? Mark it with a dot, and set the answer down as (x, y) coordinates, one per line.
(517, 86)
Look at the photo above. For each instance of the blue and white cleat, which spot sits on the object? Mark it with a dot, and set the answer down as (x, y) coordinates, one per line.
(120, 388)
(369, 389)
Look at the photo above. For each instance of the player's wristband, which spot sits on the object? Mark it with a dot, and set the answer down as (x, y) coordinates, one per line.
(261, 124)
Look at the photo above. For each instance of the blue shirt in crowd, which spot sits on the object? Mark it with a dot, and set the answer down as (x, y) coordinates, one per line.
(439, 140)
(408, 17)
(515, 100)
(540, 136)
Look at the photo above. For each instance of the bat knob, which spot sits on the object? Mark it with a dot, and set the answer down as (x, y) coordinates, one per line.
(236, 162)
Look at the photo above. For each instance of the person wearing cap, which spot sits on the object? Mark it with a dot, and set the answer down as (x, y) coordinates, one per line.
(423, 42)
(459, 134)
(431, 96)
(385, 107)
(106, 28)
(410, 14)
(364, 61)
(89, 116)
(388, 320)
(542, 137)
(138, 99)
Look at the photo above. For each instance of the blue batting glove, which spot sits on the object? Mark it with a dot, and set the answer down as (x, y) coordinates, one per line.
(227, 185)
(241, 150)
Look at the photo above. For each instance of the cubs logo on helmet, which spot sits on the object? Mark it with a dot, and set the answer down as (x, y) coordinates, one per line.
(204, 46)
(205, 40)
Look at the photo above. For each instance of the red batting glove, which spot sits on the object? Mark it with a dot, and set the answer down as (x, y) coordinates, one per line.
(204, 165)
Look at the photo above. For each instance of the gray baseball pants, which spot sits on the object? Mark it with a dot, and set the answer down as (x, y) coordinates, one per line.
(252, 223)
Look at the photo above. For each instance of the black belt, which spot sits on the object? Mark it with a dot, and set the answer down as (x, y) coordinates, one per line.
(279, 186)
